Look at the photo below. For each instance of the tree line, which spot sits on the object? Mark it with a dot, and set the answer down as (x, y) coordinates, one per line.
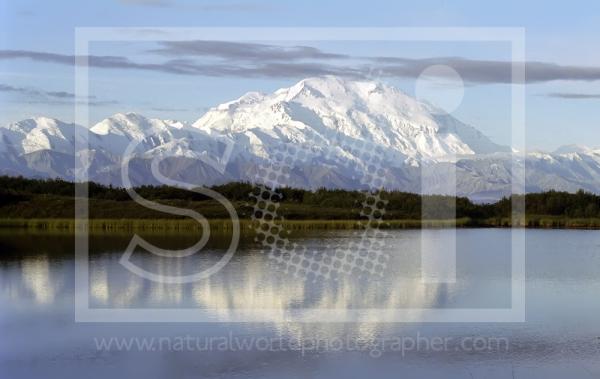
(399, 205)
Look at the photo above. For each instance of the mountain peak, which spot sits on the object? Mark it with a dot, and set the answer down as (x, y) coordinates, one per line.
(134, 125)
(247, 98)
(35, 122)
(39, 133)
(330, 106)
(129, 116)
(330, 86)
(121, 124)
(43, 120)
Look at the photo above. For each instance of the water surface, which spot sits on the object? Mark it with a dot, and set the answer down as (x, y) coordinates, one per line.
(560, 337)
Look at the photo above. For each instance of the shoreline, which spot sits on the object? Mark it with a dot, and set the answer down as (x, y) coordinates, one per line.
(249, 226)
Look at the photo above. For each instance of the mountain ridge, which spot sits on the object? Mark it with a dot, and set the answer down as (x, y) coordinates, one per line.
(416, 138)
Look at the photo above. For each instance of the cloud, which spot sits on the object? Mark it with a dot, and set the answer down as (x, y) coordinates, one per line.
(243, 51)
(96, 61)
(36, 92)
(488, 71)
(471, 71)
(188, 67)
(543, 72)
(573, 96)
(50, 97)
(61, 94)
(37, 56)
(250, 60)
(7, 88)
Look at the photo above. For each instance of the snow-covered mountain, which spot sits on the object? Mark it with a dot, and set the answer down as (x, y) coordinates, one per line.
(361, 110)
(421, 147)
(35, 134)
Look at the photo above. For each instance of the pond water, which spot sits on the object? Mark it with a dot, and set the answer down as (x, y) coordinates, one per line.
(360, 325)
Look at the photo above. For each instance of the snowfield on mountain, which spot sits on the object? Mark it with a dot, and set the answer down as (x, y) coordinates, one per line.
(424, 149)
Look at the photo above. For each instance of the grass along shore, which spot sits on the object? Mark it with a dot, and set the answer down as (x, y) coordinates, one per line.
(248, 226)
(218, 225)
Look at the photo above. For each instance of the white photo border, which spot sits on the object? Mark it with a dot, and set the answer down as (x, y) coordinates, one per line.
(513, 35)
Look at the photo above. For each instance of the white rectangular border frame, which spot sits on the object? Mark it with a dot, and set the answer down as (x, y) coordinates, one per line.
(515, 36)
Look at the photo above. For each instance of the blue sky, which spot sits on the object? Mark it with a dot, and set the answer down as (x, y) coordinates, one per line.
(562, 102)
